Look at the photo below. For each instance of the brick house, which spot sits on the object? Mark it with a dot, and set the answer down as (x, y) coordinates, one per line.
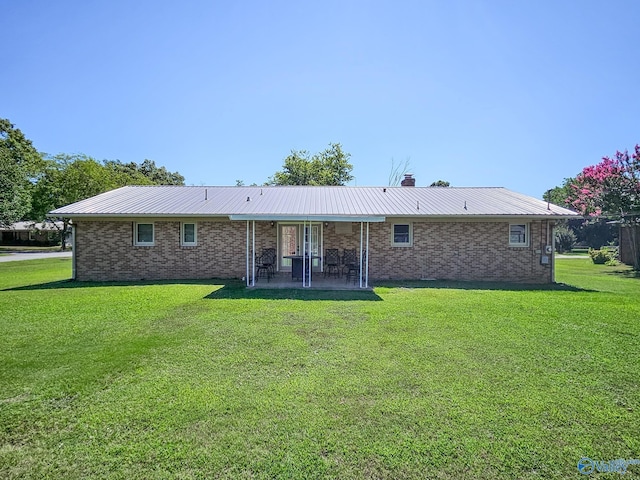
(407, 232)
(31, 233)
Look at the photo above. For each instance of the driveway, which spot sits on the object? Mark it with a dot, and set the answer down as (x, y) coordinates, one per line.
(12, 257)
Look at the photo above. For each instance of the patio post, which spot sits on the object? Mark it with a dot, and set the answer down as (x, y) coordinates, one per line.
(246, 278)
(310, 254)
(304, 256)
(361, 227)
(366, 271)
(253, 251)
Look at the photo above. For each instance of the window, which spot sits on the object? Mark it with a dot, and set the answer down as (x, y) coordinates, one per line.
(402, 235)
(188, 235)
(519, 235)
(143, 234)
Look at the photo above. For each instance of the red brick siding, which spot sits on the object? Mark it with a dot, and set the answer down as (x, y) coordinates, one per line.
(105, 251)
(443, 250)
(450, 250)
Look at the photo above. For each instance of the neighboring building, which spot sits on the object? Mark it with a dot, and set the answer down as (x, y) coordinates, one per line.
(629, 235)
(408, 232)
(45, 233)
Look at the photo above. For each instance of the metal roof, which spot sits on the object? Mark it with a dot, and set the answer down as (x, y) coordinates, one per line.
(305, 202)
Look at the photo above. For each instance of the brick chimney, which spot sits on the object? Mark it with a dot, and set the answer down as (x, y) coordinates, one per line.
(408, 181)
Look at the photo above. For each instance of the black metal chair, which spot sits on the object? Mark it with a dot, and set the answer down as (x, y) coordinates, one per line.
(270, 252)
(331, 262)
(265, 265)
(353, 269)
(349, 259)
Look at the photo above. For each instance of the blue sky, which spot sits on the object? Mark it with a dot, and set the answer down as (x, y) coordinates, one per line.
(518, 94)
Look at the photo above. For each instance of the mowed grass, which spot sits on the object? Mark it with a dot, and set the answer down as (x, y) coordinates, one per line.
(209, 380)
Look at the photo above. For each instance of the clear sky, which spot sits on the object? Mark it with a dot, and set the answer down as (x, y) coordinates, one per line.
(510, 93)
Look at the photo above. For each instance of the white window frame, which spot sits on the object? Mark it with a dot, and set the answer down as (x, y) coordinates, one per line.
(393, 235)
(526, 235)
(138, 243)
(184, 243)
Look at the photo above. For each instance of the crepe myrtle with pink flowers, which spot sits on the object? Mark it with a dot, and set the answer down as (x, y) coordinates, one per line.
(611, 188)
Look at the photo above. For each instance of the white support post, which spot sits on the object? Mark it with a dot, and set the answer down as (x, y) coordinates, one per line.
(310, 253)
(253, 253)
(321, 247)
(361, 226)
(366, 271)
(304, 253)
(247, 257)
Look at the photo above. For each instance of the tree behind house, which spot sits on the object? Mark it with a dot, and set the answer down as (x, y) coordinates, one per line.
(20, 163)
(329, 167)
(611, 189)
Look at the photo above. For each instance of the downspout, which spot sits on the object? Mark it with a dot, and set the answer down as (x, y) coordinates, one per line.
(73, 252)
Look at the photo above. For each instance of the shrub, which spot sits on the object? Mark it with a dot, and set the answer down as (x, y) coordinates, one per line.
(565, 238)
(603, 256)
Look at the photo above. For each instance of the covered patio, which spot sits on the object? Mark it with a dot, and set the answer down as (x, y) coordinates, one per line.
(301, 247)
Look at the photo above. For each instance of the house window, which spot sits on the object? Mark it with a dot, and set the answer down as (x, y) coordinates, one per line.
(143, 234)
(519, 235)
(402, 235)
(188, 235)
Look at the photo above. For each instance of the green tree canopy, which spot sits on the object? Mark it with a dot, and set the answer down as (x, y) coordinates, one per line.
(20, 164)
(67, 179)
(146, 173)
(329, 167)
(559, 195)
(440, 183)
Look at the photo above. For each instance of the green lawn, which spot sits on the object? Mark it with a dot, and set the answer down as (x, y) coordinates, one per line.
(207, 380)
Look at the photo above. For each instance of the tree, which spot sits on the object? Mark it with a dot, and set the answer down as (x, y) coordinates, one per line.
(20, 163)
(611, 188)
(329, 167)
(559, 195)
(146, 173)
(565, 238)
(67, 179)
(398, 171)
(440, 183)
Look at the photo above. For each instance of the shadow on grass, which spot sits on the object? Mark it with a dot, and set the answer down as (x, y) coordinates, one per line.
(228, 289)
(62, 284)
(460, 285)
(625, 273)
(235, 289)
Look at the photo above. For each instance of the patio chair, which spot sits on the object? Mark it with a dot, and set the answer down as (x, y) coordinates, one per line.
(353, 269)
(349, 259)
(265, 265)
(331, 262)
(270, 252)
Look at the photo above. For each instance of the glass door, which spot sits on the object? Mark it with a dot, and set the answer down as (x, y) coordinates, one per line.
(291, 244)
(315, 244)
(288, 245)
